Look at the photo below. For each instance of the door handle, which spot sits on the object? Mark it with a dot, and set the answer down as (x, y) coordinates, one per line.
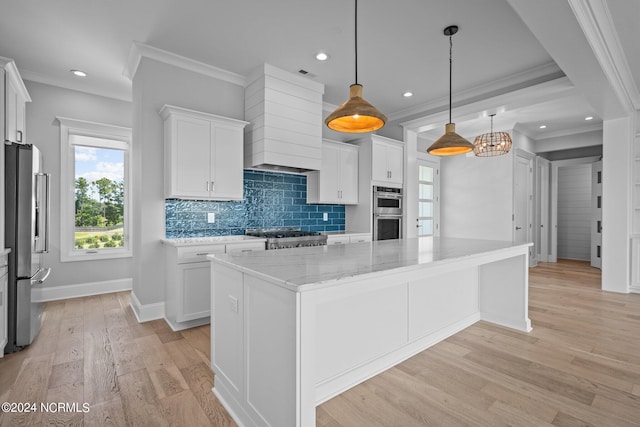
(518, 228)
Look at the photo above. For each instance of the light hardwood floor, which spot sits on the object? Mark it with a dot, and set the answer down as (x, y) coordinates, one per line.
(579, 366)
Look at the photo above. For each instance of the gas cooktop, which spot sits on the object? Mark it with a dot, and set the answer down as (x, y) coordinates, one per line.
(280, 238)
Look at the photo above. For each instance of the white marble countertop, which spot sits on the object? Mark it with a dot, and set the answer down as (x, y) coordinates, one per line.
(195, 241)
(320, 265)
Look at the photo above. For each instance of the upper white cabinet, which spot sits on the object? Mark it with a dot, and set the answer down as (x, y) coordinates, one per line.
(15, 99)
(203, 155)
(337, 180)
(381, 162)
(387, 161)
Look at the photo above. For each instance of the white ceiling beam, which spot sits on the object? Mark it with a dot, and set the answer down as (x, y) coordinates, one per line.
(556, 27)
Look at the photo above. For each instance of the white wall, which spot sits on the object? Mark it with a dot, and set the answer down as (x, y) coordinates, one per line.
(154, 85)
(574, 212)
(476, 197)
(567, 142)
(43, 130)
(477, 193)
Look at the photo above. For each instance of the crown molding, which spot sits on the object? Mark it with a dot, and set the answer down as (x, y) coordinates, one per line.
(504, 102)
(594, 17)
(79, 87)
(140, 50)
(535, 75)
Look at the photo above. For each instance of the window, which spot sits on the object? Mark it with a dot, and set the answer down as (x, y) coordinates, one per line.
(427, 199)
(95, 195)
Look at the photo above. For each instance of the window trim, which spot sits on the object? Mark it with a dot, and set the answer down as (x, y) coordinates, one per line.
(70, 127)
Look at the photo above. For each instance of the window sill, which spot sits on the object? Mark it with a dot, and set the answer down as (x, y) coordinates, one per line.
(95, 256)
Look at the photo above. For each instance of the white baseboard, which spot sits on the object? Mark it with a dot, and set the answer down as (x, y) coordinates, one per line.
(634, 289)
(146, 312)
(53, 293)
(180, 326)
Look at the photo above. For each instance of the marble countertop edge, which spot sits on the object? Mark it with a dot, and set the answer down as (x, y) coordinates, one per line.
(300, 281)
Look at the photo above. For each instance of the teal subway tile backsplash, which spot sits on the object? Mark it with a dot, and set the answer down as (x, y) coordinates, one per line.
(271, 199)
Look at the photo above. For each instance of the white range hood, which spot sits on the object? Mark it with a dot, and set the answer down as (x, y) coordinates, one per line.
(285, 115)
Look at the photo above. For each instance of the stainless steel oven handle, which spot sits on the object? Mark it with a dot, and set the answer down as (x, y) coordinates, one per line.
(379, 195)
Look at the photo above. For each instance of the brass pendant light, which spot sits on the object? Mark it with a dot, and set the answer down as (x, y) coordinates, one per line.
(450, 143)
(356, 115)
(492, 144)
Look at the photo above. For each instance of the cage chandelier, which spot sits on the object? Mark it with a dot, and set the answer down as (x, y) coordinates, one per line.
(492, 144)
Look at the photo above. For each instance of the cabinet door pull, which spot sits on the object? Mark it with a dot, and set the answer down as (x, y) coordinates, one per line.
(207, 186)
(202, 254)
(213, 186)
(18, 136)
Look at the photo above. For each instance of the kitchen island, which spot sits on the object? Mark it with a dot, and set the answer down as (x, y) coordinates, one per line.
(292, 328)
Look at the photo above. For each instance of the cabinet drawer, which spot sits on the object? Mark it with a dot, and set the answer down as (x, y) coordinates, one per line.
(245, 247)
(337, 240)
(360, 239)
(198, 253)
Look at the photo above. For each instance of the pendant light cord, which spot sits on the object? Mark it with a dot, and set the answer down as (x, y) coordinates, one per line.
(356, 39)
(450, 73)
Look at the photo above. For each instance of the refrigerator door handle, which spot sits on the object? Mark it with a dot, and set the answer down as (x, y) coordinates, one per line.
(42, 218)
(47, 272)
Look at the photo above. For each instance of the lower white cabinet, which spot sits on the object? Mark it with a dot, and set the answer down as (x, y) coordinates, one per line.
(3, 303)
(343, 239)
(188, 281)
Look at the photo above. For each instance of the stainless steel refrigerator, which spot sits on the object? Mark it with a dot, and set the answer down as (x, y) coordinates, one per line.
(27, 235)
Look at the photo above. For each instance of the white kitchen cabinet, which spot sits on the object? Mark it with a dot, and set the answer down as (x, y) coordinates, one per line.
(337, 180)
(360, 238)
(338, 239)
(380, 163)
(15, 99)
(387, 161)
(343, 239)
(203, 155)
(3, 302)
(188, 280)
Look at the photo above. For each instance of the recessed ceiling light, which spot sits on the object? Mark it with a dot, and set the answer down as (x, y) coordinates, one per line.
(407, 94)
(321, 56)
(589, 118)
(78, 73)
(543, 126)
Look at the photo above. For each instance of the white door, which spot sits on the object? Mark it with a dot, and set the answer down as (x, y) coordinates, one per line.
(542, 198)
(596, 214)
(523, 206)
(427, 220)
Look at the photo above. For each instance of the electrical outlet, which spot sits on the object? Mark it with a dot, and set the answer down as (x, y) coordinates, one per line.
(211, 217)
(325, 216)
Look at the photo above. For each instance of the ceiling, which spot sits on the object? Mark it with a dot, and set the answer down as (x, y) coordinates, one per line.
(401, 48)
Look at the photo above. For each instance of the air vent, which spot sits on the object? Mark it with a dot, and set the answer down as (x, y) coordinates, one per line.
(306, 73)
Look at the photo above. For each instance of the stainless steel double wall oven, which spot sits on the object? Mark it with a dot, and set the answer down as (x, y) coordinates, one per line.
(387, 213)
